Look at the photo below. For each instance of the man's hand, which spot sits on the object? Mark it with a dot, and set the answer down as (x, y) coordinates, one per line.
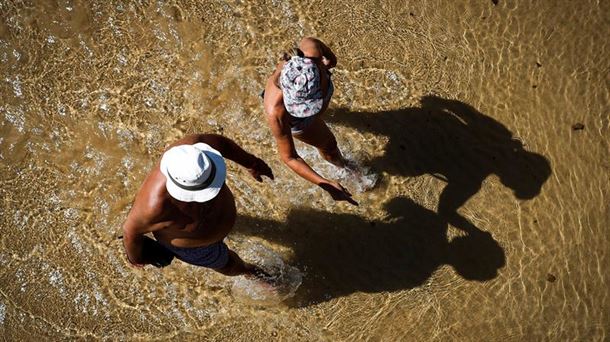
(259, 169)
(338, 192)
(152, 253)
(131, 263)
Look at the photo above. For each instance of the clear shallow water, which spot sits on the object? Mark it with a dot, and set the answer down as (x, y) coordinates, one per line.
(449, 103)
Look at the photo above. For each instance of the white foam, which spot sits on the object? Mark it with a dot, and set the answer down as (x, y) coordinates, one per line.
(15, 117)
(82, 300)
(21, 279)
(356, 177)
(149, 101)
(76, 241)
(16, 86)
(86, 48)
(126, 137)
(104, 103)
(56, 278)
(61, 109)
(99, 297)
(122, 60)
(71, 214)
(2, 312)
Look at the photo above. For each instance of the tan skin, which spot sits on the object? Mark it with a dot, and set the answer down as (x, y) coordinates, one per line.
(317, 134)
(190, 224)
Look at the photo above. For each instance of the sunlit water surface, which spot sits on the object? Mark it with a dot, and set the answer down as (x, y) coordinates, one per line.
(490, 218)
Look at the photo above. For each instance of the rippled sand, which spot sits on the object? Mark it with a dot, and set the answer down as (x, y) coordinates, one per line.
(488, 124)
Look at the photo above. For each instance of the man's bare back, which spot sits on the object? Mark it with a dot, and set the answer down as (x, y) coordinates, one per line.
(187, 227)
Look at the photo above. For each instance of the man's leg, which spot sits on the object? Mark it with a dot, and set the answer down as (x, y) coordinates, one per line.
(236, 266)
(319, 135)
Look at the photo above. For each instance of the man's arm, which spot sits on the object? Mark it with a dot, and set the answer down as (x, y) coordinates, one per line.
(133, 243)
(230, 150)
(136, 225)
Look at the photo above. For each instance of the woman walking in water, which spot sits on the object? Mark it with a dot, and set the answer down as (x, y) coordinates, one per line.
(295, 98)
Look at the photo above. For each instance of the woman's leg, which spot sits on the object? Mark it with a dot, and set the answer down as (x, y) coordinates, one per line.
(318, 134)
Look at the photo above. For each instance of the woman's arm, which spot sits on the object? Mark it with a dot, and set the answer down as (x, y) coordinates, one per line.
(288, 154)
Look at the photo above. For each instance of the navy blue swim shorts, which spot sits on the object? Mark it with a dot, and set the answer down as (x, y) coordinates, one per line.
(215, 255)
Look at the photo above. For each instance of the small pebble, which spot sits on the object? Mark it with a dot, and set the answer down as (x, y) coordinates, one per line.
(550, 278)
(578, 126)
(538, 64)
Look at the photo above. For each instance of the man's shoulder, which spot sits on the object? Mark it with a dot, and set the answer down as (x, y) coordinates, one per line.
(152, 200)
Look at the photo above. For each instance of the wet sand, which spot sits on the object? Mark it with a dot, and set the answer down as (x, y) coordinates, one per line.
(488, 123)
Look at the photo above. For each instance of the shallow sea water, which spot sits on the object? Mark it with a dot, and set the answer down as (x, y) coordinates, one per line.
(490, 219)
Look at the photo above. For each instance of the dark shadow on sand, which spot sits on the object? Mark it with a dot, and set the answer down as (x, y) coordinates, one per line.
(454, 142)
(342, 253)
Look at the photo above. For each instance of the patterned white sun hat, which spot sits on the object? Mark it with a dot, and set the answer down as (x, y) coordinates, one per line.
(300, 81)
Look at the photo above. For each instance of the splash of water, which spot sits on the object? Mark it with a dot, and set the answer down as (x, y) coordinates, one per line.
(2, 312)
(283, 284)
(356, 177)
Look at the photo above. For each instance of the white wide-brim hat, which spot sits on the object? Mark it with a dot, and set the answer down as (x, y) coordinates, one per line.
(194, 173)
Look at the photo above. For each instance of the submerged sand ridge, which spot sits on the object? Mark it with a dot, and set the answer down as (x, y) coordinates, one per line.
(490, 218)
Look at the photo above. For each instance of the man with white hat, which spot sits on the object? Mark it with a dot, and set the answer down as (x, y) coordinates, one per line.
(188, 207)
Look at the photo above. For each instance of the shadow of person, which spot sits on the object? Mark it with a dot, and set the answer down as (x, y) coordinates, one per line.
(343, 253)
(453, 142)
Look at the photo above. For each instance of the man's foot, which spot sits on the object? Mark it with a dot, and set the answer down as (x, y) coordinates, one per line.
(257, 273)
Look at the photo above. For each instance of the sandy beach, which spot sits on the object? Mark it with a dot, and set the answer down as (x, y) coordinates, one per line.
(487, 122)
